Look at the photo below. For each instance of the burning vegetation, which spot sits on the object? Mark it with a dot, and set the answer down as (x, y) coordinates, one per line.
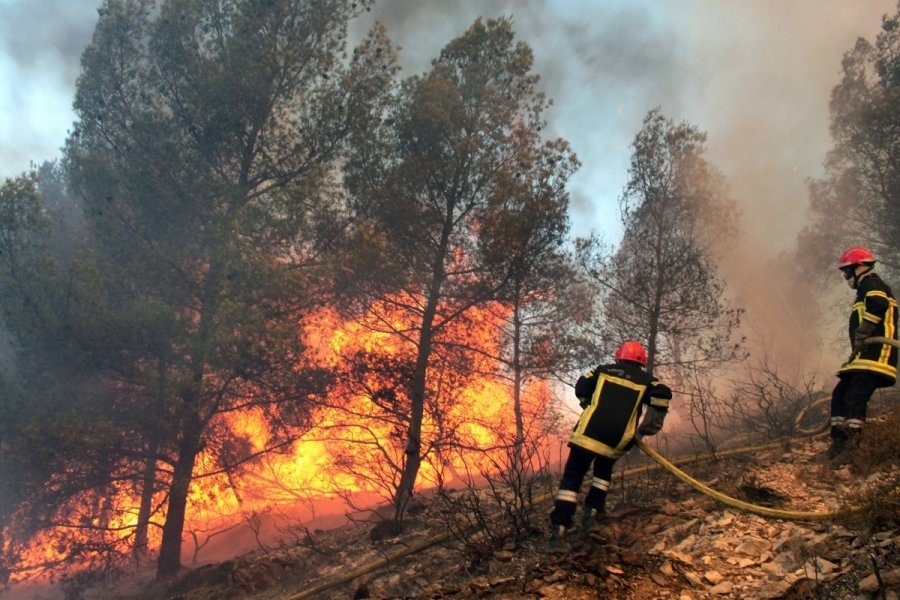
(269, 275)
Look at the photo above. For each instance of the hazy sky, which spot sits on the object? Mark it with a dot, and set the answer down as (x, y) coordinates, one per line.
(755, 75)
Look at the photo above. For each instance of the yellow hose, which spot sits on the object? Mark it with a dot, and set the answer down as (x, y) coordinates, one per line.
(882, 340)
(662, 463)
(793, 515)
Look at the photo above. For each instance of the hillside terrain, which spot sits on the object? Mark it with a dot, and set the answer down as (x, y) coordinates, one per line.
(660, 539)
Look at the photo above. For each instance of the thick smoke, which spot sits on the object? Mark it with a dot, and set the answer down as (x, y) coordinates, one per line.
(767, 114)
(755, 75)
(42, 34)
(40, 47)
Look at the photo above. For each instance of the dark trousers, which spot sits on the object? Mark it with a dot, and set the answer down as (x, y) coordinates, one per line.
(849, 401)
(577, 466)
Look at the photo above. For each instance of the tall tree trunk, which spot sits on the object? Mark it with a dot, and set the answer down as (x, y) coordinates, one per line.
(148, 483)
(417, 412)
(654, 315)
(517, 375)
(191, 430)
(420, 375)
(170, 551)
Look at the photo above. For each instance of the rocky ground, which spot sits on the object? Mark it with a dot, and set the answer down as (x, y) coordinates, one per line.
(679, 545)
(669, 542)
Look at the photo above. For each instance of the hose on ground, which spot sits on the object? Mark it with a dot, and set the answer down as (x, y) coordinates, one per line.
(776, 513)
(661, 462)
(370, 566)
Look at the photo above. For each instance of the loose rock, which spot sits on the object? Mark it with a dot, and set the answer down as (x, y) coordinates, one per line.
(723, 588)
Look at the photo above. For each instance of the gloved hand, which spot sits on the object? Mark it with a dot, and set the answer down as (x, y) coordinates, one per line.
(645, 429)
(865, 329)
(652, 421)
(584, 402)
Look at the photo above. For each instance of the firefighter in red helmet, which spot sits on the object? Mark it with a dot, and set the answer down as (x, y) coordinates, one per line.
(871, 365)
(612, 396)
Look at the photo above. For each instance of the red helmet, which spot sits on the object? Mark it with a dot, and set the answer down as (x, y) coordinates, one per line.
(855, 256)
(632, 350)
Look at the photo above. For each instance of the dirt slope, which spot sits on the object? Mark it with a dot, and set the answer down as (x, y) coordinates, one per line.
(669, 542)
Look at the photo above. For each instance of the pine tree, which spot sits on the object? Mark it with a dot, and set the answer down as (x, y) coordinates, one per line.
(661, 284)
(424, 187)
(857, 201)
(203, 155)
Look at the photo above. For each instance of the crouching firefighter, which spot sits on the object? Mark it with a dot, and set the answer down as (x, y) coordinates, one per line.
(612, 397)
(871, 364)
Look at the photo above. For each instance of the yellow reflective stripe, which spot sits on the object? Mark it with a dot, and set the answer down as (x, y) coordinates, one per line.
(660, 402)
(861, 364)
(878, 293)
(586, 415)
(630, 429)
(870, 317)
(859, 308)
(889, 332)
(588, 375)
(594, 446)
(632, 420)
(626, 383)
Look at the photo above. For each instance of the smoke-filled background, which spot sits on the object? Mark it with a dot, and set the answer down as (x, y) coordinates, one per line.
(755, 75)
(227, 303)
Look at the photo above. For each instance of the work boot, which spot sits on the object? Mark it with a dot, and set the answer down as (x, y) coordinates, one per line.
(587, 521)
(839, 452)
(854, 439)
(591, 516)
(557, 539)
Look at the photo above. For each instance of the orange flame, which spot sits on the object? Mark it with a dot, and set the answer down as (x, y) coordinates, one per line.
(355, 436)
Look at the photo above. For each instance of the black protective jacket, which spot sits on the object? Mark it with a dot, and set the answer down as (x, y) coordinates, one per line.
(612, 396)
(875, 309)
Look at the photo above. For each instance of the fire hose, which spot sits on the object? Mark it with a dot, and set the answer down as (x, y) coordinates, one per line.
(870, 341)
(746, 506)
(775, 513)
(662, 462)
(882, 340)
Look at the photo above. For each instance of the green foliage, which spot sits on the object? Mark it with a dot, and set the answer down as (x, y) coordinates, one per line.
(203, 154)
(63, 431)
(857, 201)
(453, 183)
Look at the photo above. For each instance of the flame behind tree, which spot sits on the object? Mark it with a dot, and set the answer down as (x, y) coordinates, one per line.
(422, 185)
(466, 417)
(524, 233)
(202, 155)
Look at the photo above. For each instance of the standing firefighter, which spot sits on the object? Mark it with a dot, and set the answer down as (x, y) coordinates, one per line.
(612, 396)
(871, 365)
